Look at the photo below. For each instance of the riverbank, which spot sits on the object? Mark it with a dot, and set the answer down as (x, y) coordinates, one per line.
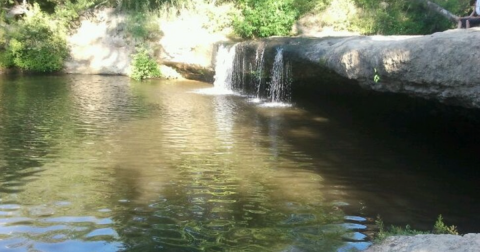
(429, 67)
(437, 243)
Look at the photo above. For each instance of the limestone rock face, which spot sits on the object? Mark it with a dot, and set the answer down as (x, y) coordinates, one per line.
(100, 45)
(442, 66)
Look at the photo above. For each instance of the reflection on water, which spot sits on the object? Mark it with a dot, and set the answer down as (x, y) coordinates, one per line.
(91, 163)
(95, 163)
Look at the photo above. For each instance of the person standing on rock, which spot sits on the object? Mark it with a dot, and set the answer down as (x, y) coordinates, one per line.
(473, 19)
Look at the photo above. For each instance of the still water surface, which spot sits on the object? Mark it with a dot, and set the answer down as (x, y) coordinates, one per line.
(92, 163)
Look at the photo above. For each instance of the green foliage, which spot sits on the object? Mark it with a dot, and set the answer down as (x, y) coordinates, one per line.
(69, 11)
(6, 59)
(136, 5)
(438, 228)
(36, 44)
(376, 76)
(142, 25)
(391, 17)
(441, 228)
(265, 18)
(383, 232)
(143, 66)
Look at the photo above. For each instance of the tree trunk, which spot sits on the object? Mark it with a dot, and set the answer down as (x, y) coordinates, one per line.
(436, 8)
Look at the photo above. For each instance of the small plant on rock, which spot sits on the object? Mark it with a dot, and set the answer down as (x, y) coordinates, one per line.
(438, 228)
(441, 228)
(383, 232)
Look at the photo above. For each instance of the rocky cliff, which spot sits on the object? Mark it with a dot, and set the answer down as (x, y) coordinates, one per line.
(441, 66)
(102, 45)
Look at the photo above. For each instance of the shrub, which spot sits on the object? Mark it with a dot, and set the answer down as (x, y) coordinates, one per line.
(265, 18)
(5, 59)
(36, 44)
(5, 56)
(143, 66)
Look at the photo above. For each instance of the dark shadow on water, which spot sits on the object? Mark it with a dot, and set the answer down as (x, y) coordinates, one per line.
(406, 159)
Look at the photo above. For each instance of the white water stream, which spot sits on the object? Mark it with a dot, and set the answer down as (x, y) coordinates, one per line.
(230, 76)
(224, 70)
(280, 85)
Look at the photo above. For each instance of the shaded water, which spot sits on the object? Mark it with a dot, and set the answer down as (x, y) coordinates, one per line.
(91, 163)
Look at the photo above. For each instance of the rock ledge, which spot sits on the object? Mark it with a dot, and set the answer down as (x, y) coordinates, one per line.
(429, 243)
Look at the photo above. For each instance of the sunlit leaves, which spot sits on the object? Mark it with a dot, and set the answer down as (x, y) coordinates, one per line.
(143, 66)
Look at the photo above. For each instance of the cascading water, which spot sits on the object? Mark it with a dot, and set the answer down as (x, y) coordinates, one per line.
(237, 71)
(224, 68)
(280, 84)
(257, 80)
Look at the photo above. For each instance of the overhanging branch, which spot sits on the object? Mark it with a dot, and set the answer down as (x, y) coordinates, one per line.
(436, 8)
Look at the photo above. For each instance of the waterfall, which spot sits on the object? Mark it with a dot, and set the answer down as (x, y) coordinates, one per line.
(280, 84)
(224, 68)
(237, 71)
(257, 80)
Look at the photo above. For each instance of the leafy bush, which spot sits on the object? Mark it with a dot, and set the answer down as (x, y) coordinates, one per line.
(36, 44)
(143, 66)
(5, 59)
(5, 56)
(265, 18)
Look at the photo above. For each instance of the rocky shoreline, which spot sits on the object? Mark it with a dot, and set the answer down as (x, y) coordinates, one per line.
(429, 243)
